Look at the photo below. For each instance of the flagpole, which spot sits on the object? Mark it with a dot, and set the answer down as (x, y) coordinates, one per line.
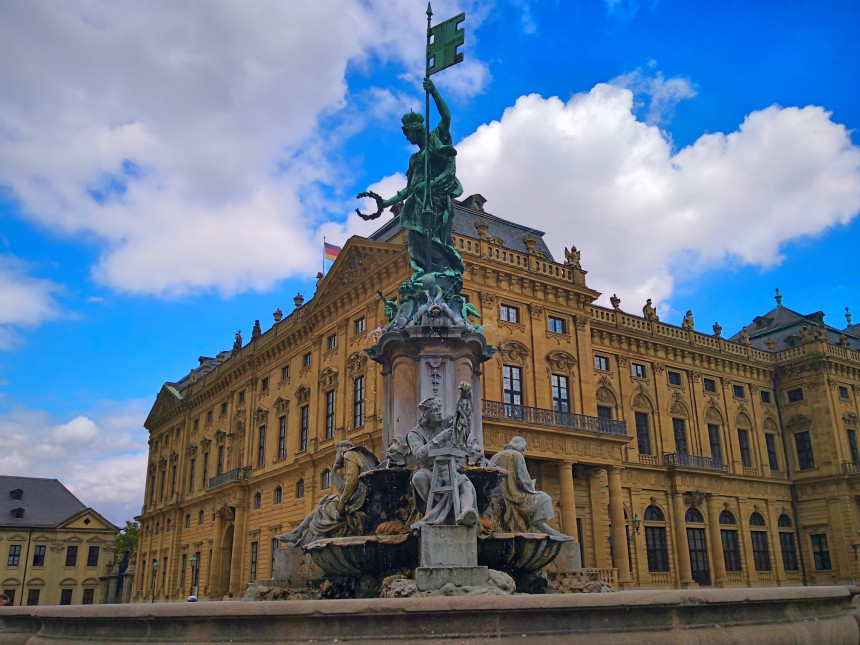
(427, 204)
(323, 255)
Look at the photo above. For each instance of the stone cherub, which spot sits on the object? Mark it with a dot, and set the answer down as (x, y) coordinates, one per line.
(337, 515)
(649, 312)
(526, 508)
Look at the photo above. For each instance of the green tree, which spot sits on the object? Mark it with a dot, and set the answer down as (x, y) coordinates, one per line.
(127, 538)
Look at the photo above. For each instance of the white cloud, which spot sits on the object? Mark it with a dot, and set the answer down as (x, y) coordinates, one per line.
(590, 174)
(183, 136)
(100, 454)
(25, 301)
(664, 93)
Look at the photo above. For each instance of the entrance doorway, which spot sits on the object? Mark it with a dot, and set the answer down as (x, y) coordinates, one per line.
(226, 559)
(699, 556)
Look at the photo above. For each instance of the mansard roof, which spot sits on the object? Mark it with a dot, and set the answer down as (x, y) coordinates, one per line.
(45, 502)
(466, 214)
(784, 326)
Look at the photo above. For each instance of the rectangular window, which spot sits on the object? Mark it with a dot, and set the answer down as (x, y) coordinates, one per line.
(795, 395)
(738, 391)
(196, 424)
(852, 444)
(285, 372)
(843, 392)
(11, 594)
(33, 597)
(761, 556)
(772, 459)
(358, 402)
(89, 594)
(220, 465)
(14, 555)
(209, 417)
(191, 475)
(360, 325)
(254, 552)
(805, 460)
(655, 548)
(510, 314)
(674, 378)
(71, 556)
(173, 481)
(275, 547)
(601, 363)
(820, 552)
(303, 434)
(513, 388)
(709, 384)
(557, 325)
(714, 441)
(306, 360)
(241, 397)
(205, 482)
(264, 384)
(331, 342)
(261, 447)
(39, 555)
(744, 445)
(329, 414)
(65, 596)
(731, 550)
(183, 564)
(560, 393)
(789, 551)
(282, 437)
(638, 370)
(604, 412)
(223, 409)
(643, 433)
(765, 396)
(93, 556)
(679, 428)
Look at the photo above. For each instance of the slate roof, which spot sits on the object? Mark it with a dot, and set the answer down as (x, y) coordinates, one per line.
(46, 502)
(510, 233)
(784, 325)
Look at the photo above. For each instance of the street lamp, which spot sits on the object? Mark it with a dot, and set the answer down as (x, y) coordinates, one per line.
(193, 590)
(154, 573)
(636, 523)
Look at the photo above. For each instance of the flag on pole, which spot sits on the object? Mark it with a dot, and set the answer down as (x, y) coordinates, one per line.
(446, 38)
(331, 251)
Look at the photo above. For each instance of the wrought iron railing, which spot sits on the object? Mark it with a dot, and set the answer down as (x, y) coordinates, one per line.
(235, 475)
(851, 467)
(693, 461)
(540, 416)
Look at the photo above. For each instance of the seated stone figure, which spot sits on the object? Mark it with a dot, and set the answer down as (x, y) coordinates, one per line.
(527, 510)
(337, 515)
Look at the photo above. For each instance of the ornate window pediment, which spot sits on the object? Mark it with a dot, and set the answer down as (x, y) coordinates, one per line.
(605, 395)
(850, 419)
(260, 414)
(677, 407)
(303, 394)
(220, 435)
(561, 362)
(328, 378)
(743, 421)
(514, 352)
(205, 444)
(355, 364)
(281, 405)
(712, 415)
(798, 423)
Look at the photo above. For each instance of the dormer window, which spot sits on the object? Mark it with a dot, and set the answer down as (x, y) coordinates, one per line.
(16, 494)
(18, 513)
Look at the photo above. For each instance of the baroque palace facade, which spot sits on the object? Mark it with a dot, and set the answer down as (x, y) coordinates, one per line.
(676, 458)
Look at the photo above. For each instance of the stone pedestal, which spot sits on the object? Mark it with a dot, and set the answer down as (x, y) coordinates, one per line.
(449, 554)
(294, 568)
(569, 559)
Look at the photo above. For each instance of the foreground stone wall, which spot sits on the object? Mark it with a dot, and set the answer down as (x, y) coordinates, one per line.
(765, 615)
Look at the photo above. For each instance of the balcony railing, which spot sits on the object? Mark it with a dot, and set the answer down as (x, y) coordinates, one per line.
(235, 475)
(692, 461)
(540, 416)
(851, 467)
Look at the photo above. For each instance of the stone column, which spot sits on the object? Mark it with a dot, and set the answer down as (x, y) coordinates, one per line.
(568, 500)
(214, 582)
(238, 550)
(597, 490)
(682, 547)
(619, 527)
(716, 542)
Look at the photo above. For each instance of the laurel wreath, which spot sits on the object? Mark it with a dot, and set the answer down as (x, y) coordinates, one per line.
(379, 206)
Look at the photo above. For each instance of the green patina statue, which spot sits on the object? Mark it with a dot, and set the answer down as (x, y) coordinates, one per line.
(428, 212)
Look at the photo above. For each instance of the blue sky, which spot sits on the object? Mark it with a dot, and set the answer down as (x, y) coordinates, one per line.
(168, 171)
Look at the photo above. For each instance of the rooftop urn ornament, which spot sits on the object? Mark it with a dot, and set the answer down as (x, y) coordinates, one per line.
(299, 299)
(615, 301)
(778, 298)
(717, 330)
(278, 315)
(771, 344)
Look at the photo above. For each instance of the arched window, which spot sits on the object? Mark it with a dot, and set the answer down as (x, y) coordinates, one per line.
(300, 488)
(200, 517)
(729, 538)
(187, 520)
(279, 495)
(655, 540)
(761, 555)
(694, 515)
(258, 500)
(786, 543)
(325, 479)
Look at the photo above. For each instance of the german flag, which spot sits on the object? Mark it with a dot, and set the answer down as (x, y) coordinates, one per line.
(331, 251)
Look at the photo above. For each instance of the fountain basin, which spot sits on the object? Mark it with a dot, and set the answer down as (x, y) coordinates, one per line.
(364, 555)
(519, 552)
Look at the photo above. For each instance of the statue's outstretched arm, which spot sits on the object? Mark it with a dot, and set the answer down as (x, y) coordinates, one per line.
(444, 112)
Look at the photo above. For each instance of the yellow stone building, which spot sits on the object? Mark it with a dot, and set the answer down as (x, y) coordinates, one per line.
(677, 458)
(53, 549)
